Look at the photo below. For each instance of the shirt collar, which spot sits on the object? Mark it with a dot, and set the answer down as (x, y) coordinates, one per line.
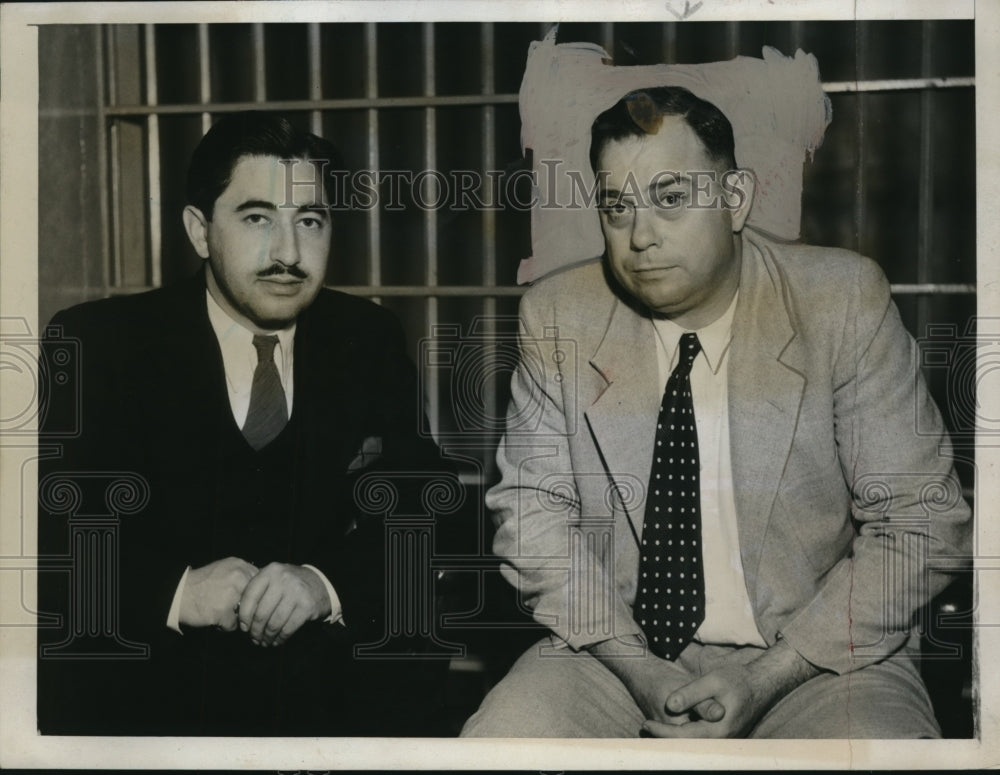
(714, 337)
(238, 353)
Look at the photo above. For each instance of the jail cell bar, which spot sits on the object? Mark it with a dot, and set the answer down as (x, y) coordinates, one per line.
(131, 104)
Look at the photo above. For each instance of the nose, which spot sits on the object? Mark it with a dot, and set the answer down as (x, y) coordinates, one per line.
(284, 244)
(644, 234)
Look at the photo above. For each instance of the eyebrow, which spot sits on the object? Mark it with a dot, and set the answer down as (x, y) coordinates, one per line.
(260, 204)
(671, 180)
(666, 180)
(255, 204)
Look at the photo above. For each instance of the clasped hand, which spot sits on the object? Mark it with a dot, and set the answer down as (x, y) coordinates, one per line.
(719, 704)
(651, 680)
(270, 603)
(728, 701)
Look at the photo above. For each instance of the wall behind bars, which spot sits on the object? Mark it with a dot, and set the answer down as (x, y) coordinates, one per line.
(122, 107)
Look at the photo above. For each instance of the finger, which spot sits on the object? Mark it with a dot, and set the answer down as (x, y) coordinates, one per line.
(252, 594)
(674, 720)
(299, 617)
(710, 710)
(277, 619)
(269, 601)
(247, 572)
(688, 696)
(692, 729)
(229, 620)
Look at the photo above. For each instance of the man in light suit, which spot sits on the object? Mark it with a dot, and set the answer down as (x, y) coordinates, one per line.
(755, 571)
(244, 404)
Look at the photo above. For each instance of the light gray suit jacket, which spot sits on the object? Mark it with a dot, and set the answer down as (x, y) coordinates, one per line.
(844, 485)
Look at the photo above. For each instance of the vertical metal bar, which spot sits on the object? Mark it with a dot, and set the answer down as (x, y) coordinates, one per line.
(669, 42)
(114, 142)
(371, 91)
(430, 151)
(796, 32)
(204, 75)
(925, 202)
(732, 39)
(861, 198)
(608, 38)
(489, 247)
(259, 63)
(314, 53)
(430, 219)
(153, 156)
(103, 141)
(131, 158)
(488, 87)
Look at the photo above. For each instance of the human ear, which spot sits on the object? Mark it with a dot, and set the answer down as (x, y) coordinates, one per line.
(196, 226)
(738, 189)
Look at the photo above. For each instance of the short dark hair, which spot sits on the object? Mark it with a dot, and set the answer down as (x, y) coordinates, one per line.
(252, 133)
(639, 112)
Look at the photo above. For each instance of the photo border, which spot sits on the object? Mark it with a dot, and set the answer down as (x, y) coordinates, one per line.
(20, 744)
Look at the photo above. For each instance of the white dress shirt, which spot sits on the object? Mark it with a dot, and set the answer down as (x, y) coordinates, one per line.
(239, 360)
(728, 615)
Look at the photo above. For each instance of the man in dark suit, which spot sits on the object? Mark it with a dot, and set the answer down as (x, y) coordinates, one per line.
(245, 408)
(732, 504)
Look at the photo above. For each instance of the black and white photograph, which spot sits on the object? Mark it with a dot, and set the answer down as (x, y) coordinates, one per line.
(499, 386)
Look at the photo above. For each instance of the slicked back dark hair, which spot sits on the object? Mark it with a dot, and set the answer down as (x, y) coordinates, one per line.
(252, 133)
(639, 113)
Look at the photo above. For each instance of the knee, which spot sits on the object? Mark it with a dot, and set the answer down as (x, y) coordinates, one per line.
(513, 709)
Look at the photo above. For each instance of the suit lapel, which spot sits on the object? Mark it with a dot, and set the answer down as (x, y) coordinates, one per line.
(765, 392)
(186, 382)
(326, 372)
(623, 418)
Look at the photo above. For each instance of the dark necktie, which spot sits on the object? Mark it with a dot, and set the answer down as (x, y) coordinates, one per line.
(268, 412)
(670, 601)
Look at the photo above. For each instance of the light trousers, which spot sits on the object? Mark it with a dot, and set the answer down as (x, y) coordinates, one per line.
(549, 693)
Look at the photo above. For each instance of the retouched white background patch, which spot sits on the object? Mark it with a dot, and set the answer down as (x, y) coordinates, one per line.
(775, 103)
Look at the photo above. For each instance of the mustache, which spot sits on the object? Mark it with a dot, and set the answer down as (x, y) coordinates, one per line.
(281, 269)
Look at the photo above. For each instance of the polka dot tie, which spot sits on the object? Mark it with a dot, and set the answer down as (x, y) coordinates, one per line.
(670, 601)
(268, 412)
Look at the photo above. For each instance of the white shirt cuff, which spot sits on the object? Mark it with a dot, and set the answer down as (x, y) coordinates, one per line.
(174, 616)
(336, 610)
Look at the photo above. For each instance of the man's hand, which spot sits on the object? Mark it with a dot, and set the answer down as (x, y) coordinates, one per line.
(279, 600)
(650, 680)
(742, 692)
(212, 592)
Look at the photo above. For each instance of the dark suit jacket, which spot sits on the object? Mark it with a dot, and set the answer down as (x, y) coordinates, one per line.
(153, 410)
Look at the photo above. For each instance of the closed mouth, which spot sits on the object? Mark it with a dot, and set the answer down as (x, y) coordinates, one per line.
(281, 280)
(281, 286)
